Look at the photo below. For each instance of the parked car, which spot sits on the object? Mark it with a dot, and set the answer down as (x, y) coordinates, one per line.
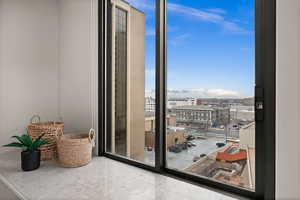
(149, 148)
(175, 149)
(220, 144)
(190, 137)
(192, 144)
(183, 146)
(196, 158)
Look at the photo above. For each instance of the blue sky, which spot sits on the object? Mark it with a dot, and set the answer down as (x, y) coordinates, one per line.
(210, 47)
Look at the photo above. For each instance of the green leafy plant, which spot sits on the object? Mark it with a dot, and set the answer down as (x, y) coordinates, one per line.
(25, 142)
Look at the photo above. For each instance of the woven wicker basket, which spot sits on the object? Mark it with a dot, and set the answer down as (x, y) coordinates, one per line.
(75, 150)
(48, 151)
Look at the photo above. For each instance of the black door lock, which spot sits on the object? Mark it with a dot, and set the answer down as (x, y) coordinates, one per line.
(259, 104)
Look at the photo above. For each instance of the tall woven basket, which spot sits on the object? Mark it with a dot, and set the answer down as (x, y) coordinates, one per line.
(35, 129)
(75, 150)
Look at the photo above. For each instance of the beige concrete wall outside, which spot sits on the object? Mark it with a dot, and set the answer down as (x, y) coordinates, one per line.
(172, 136)
(137, 84)
(171, 120)
(150, 138)
(247, 136)
(149, 124)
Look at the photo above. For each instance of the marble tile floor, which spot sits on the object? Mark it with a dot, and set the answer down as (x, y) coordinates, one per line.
(102, 179)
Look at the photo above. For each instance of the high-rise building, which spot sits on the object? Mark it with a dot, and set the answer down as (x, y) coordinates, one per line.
(128, 80)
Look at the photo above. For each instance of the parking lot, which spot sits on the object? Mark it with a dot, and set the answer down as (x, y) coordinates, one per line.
(185, 158)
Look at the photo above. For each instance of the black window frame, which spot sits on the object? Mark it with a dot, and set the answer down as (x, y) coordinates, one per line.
(265, 75)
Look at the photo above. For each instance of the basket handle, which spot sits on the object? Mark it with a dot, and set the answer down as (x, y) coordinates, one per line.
(92, 135)
(35, 117)
(58, 134)
(60, 119)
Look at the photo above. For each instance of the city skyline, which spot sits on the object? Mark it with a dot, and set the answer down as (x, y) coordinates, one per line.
(220, 63)
(200, 93)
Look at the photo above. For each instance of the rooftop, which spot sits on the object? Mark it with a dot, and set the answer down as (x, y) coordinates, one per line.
(181, 99)
(193, 107)
(149, 114)
(175, 129)
(248, 126)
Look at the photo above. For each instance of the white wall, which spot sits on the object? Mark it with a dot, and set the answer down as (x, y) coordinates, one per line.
(47, 64)
(288, 100)
(76, 60)
(28, 63)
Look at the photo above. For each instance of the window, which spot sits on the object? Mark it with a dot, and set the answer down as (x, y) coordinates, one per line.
(131, 67)
(188, 87)
(219, 149)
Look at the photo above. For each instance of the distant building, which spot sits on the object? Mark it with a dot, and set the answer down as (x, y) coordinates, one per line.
(175, 135)
(150, 121)
(201, 116)
(225, 102)
(149, 104)
(199, 102)
(242, 113)
(173, 102)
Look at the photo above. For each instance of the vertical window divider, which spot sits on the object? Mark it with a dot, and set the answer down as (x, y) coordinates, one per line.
(161, 85)
(102, 16)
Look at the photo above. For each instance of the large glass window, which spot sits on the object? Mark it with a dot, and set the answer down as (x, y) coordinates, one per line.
(131, 67)
(210, 65)
(211, 78)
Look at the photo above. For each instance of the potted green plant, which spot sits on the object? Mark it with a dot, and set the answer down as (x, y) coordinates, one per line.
(31, 155)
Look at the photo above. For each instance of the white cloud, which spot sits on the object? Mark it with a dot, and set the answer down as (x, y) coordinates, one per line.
(204, 93)
(183, 36)
(216, 92)
(213, 15)
(150, 72)
(200, 93)
(216, 10)
(177, 40)
(150, 31)
(234, 28)
(203, 15)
